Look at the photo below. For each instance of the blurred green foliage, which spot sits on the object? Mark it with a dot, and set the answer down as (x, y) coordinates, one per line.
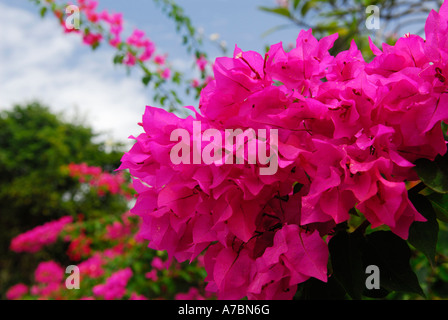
(34, 144)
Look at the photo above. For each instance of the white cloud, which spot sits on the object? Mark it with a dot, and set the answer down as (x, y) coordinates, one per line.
(39, 62)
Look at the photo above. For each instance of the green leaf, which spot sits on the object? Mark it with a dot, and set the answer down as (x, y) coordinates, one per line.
(175, 96)
(314, 289)
(146, 79)
(423, 235)
(95, 45)
(295, 4)
(177, 77)
(307, 6)
(445, 130)
(434, 173)
(391, 254)
(346, 260)
(43, 11)
(439, 202)
(297, 187)
(274, 29)
(118, 59)
(277, 10)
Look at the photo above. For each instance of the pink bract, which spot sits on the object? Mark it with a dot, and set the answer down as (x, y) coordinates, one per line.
(35, 239)
(17, 291)
(49, 272)
(349, 141)
(115, 286)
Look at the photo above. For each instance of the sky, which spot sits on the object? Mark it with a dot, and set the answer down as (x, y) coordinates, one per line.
(40, 62)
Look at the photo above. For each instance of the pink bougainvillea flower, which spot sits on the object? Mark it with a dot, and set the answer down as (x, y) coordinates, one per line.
(348, 134)
(166, 73)
(201, 62)
(136, 296)
(50, 290)
(195, 83)
(49, 272)
(35, 239)
(79, 248)
(115, 286)
(92, 267)
(17, 291)
(130, 59)
(117, 230)
(160, 59)
(152, 275)
(92, 39)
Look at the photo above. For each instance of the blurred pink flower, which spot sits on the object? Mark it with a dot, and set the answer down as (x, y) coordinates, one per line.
(17, 291)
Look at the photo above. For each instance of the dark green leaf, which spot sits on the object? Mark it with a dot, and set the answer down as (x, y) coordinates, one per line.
(434, 173)
(353, 212)
(423, 235)
(297, 187)
(439, 202)
(314, 289)
(346, 260)
(118, 59)
(277, 10)
(445, 130)
(146, 79)
(376, 293)
(391, 254)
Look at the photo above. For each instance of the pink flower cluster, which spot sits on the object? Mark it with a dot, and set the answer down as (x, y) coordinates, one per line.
(141, 47)
(137, 40)
(115, 286)
(82, 170)
(35, 239)
(118, 230)
(49, 272)
(49, 276)
(79, 247)
(97, 178)
(115, 22)
(17, 291)
(93, 266)
(348, 134)
(136, 296)
(201, 62)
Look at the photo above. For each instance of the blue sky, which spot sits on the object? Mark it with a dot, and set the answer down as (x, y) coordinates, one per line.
(40, 62)
(237, 21)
